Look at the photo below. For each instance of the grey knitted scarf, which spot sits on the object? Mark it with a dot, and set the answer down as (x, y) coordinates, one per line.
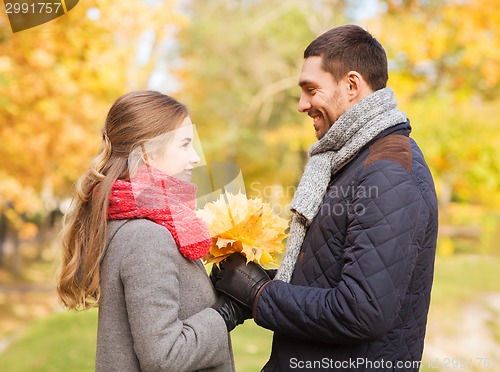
(347, 136)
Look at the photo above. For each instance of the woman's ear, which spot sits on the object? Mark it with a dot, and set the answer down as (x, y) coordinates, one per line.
(145, 157)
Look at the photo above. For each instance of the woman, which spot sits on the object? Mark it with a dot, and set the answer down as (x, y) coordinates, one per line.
(132, 246)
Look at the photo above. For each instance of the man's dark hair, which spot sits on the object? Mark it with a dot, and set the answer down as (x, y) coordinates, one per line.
(351, 48)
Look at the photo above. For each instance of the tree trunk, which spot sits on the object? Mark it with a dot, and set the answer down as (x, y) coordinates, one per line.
(3, 235)
(43, 234)
(17, 261)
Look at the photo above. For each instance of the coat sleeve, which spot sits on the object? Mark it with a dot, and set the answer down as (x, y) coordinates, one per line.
(380, 252)
(162, 341)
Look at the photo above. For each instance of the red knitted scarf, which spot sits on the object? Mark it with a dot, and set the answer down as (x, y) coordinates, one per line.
(166, 200)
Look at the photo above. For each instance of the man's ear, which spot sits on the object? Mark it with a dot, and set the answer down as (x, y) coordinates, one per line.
(356, 88)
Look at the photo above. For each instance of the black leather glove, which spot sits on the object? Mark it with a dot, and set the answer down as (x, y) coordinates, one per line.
(213, 274)
(239, 280)
(272, 273)
(231, 311)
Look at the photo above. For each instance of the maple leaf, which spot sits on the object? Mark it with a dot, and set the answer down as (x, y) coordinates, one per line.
(248, 226)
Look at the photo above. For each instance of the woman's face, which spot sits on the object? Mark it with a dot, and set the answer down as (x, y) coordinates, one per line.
(178, 157)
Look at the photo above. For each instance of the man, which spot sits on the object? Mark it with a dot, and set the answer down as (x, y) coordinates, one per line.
(353, 290)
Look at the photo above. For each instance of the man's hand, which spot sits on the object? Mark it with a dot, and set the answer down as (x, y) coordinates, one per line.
(271, 273)
(239, 280)
(231, 311)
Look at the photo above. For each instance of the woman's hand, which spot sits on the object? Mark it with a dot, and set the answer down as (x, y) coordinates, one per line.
(232, 312)
(239, 280)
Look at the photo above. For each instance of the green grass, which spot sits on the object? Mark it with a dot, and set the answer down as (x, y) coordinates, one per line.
(66, 341)
(459, 278)
(62, 342)
(251, 346)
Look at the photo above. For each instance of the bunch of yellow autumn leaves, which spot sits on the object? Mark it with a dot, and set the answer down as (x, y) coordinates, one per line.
(249, 226)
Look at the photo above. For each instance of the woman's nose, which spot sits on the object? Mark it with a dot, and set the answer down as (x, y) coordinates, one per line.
(195, 158)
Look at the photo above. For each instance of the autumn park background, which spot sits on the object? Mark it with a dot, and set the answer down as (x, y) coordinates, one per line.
(235, 63)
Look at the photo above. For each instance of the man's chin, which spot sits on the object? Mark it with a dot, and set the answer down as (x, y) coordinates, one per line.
(322, 132)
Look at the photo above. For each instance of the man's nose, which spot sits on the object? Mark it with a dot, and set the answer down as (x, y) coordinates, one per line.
(304, 104)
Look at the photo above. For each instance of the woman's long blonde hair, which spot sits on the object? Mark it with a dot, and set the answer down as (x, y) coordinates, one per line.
(133, 119)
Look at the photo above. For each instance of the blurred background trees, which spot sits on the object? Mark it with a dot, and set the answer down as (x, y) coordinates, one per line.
(242, 60)
(445, 68)
(56, 84)
(236, 63)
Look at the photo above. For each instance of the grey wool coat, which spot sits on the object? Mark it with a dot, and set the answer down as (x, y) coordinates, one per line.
(154, 312)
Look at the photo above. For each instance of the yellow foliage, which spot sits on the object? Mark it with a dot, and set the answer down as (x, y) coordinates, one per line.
(28, 231)
(445, 247)
(57, 82)
(249, 226)
(16, 198)
(453, 43)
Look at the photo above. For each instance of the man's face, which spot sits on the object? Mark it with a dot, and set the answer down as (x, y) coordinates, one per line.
(322, 98)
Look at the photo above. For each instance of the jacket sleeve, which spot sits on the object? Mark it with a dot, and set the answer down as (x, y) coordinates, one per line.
(162, 341)
(380, 252)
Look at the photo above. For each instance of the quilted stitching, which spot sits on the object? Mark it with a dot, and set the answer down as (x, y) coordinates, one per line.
(381, 264)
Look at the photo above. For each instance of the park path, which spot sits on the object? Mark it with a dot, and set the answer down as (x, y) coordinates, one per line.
(25, 288)
(454, 339)
(472, 341)
(32, 301)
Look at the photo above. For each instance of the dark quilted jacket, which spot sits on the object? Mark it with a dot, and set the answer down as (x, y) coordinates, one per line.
(360, 291)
